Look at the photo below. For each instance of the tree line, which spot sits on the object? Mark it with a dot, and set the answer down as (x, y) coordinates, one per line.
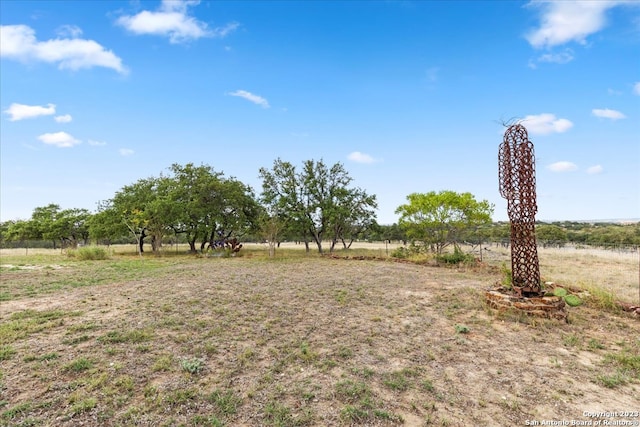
(315, 205)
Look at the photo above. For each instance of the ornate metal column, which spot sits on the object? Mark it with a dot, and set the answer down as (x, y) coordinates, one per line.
(516, 173)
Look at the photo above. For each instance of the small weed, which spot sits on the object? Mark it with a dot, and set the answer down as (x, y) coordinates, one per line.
(396, 381)
(462, 329)
(83, 405)
(364, 372)
(181, 397)
(6, 352)
(76, 340)
(226, 402)
(427, 385)
(626, 363)
(341, 296)
(209, 421)
(595, 344)
(79, 365)
(49, 356)
(16, 411)
(354, 414)
(193, 366)
(277, 414)
(133, 336)
(350, 391)
(611, 381)
(345, 352)
(571, 340)
(306, 354)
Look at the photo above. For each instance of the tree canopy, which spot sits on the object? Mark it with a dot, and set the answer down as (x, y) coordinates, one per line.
(438, 219)
(317, 202)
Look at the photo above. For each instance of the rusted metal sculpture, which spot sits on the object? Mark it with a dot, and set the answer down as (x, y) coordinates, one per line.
(518, 185)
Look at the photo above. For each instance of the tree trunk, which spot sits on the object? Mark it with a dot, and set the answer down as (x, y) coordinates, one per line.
(141, 241)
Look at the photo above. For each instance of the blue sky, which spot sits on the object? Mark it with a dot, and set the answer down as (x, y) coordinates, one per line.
(409, 95)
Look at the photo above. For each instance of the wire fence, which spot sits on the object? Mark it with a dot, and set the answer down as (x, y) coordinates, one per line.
(615, 268)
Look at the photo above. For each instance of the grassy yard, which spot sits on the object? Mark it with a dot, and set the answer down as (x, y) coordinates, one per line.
(299, 340)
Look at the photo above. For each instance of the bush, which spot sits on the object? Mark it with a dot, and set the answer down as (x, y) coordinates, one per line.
(400, 252)
(457, 257)
(412, 250)
(88, 253)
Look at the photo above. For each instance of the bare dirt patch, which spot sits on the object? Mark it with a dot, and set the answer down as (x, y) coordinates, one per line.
(308, 341)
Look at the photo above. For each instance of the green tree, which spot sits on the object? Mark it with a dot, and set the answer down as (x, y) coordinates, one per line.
(317, 201)
(139, 207)
(194, 200)
(71, 226)
(437, 219)
(106, 224)
(551, 235)
(20, 231)
(43, 221)
(209, 206)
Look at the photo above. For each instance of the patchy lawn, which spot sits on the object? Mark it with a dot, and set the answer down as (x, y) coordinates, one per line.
(294, 342)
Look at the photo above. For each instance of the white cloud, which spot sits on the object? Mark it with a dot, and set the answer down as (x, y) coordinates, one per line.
(566, 21)
(608, 114)
(22, 111)
(562, 167)
(69, 31)
(636, 88)
(224, 31)
(172, 20)
(19, 42)
(359, 157)
(593, 170)
(66, 118)
(557, 58)
(543, 124)
(126, 152)
(59, 139)
(256, 99)
(96, 143)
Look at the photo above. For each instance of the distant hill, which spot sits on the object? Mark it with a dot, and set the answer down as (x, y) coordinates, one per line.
(599, 221)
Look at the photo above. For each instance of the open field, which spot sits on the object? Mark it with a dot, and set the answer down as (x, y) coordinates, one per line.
(298, 341)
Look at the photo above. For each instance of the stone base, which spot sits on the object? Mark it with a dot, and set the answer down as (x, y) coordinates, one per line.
(551, 307)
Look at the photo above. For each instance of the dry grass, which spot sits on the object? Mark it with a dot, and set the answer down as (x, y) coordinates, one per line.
(292, 341)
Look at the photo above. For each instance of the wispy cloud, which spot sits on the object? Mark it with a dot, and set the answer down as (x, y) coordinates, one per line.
(22, 111)
(173, 20)
(95, 143)
(359, 157)
(19, 42)
(594, 170)
(636, 88)
(69, 31)
(608, 114)
(557, 58)
(568, 21)
(546, 123)
(125, 152)
(563, 166)
(65, 118)
(59, 139)
(256, 99)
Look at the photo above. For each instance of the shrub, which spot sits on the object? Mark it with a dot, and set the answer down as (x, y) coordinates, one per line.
(457, 257)
(88, 253)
